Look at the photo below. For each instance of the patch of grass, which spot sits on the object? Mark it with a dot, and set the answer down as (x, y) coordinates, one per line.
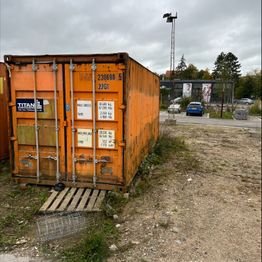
(165, 148)
(18, 211)
(167, 145)
(255, 109)
(113, 203)
(94, 247)
(226, 115)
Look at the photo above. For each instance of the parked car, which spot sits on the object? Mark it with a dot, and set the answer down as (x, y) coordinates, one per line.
(195, 108)
(174, 108)
(176, 100)
(246, 101)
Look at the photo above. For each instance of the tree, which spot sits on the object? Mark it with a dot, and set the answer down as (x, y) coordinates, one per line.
(227, 67)
(249, 85)
(190, 73)
(204, 74)
(182, 64)
(181, 67)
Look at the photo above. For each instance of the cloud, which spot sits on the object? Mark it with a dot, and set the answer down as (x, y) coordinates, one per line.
(203, 29)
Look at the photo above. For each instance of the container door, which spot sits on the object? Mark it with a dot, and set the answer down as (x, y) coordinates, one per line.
(38, 121)
(95, 143)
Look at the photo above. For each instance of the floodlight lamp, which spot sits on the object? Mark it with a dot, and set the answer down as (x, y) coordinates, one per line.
(166, 15)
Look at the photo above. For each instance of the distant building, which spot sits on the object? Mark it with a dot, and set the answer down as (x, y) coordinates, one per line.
(175, 88)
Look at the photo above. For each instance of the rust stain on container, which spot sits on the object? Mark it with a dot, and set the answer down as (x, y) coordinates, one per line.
(94, 130)
(4, 147)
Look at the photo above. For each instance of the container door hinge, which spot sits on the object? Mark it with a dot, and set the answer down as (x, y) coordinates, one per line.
(122, 144)
(121, 67)
(65, 123)
(122, 107)
(11, 104)
(12, 138)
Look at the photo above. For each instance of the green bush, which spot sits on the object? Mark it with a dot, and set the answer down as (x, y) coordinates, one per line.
(184, 102)
(255, 109)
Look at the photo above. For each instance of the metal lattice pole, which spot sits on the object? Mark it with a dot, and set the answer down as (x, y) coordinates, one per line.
(171, 19)
(172, 54)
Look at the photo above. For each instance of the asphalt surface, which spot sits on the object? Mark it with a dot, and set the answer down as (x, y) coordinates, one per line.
(252, 122)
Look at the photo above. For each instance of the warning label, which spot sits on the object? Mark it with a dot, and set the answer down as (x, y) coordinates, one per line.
(106, 110)
(84, 137)
(106, 138)
(84, 109)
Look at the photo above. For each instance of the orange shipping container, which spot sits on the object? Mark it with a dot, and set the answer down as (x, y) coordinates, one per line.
(95, 118)
(4, 148)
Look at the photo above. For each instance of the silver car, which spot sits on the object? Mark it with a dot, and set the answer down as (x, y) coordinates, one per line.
(246, 101)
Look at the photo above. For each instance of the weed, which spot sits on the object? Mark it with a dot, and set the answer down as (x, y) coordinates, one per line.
(165, 148)
(255, 109)
(113, 203)
(95, 245)
(226, 115)
(164, 224)
(168, 145)
(142, 185)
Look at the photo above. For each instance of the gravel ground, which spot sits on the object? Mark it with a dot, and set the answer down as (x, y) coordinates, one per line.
(209, 213)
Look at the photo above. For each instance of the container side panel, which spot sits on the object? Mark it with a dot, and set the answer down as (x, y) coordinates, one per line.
(142, 116)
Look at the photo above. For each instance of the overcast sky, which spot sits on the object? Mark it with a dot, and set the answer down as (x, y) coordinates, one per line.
(204, 29)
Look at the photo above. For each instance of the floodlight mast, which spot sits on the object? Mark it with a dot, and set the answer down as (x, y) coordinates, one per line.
(171, 19)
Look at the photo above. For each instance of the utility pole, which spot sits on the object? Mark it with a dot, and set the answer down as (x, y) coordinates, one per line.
(171, 19)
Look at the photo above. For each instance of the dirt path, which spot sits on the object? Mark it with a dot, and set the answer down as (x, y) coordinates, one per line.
(211, 212)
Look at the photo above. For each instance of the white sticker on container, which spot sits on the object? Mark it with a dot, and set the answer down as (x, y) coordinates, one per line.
(46, 102)
(84, 109)
(84, 137)
(106, 138)
(106, 110)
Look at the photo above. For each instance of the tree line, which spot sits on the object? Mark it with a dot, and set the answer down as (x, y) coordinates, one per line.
(226, 68)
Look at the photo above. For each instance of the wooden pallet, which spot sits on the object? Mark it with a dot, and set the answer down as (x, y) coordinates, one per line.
(74, 200)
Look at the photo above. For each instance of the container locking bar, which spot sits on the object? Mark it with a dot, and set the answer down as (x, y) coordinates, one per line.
(34, 68)
(51, 158)
(31, 157)
(72, 67)
(56, 121)
(94, 119)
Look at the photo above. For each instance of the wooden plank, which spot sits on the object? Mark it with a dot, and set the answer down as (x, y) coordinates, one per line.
(99, 200)
(83, 201)
(48, 201)
(58, 199)
(92, 201)
(75, 199)
(67, 199)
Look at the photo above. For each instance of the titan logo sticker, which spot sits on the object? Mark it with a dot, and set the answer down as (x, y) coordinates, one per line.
(28, 105)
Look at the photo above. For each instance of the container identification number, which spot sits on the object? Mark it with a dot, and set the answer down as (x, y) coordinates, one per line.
(103, 86)
(106, 77)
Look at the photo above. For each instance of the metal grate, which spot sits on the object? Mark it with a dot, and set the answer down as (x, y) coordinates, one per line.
(58, 225)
